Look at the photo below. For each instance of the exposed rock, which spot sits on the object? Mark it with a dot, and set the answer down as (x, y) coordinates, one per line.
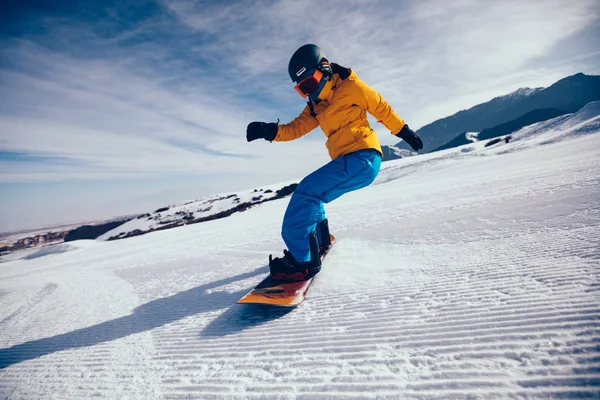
(33, 241)
(92, 231)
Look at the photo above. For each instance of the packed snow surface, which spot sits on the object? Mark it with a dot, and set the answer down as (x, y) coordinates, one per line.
(469, 273)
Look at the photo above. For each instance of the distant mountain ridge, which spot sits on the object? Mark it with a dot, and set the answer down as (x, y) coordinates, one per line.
(505, 128)
(529, 118)
(192, 212)
(568, 95)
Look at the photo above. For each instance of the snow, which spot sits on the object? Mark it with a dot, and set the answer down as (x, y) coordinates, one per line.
(525, 92)
(585, 121)
(194, 210)
(520, 93)
(468, 273)
(51, 249)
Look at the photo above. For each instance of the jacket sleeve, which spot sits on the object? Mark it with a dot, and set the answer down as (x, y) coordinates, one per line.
(297, 128)
(380, 109)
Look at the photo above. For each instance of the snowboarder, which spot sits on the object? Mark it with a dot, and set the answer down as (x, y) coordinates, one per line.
(337, 102)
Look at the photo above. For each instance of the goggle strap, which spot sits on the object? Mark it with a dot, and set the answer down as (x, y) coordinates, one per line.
(322, 84)
(312, 109)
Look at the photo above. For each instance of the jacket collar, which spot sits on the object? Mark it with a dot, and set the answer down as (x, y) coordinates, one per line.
(338, 79)
(339, 76)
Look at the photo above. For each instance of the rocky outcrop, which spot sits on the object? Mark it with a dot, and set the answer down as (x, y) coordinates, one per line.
(33, 241)
(92, 231)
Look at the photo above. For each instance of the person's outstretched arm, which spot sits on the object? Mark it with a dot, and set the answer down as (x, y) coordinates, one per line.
(300, 126)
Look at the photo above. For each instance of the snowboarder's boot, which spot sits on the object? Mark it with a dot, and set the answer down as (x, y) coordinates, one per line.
(286, 268)
(325, 238)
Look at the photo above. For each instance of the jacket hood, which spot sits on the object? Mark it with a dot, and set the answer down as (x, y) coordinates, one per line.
(340, 75)
(343, 72)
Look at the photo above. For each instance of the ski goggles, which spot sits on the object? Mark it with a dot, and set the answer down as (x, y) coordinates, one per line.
(310, 84)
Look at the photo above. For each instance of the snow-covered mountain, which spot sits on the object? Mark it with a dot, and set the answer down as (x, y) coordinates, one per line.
(206, 209)
(504, 128)
(567, 95)
(522, 92)
(468, 273)
(394, 153)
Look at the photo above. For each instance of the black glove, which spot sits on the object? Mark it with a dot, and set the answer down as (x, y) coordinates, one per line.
(261, 130)
(410, 137)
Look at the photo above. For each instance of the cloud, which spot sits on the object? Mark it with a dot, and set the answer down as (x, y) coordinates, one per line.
(97, 111)
(416, 53)
(148, 90)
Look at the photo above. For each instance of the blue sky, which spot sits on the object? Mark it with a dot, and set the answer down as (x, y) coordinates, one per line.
(118, 107)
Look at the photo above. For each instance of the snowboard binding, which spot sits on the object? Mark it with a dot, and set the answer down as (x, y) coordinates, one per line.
(324, 237)
(287, 269)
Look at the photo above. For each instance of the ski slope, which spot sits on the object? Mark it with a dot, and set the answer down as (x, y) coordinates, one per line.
(469, 273)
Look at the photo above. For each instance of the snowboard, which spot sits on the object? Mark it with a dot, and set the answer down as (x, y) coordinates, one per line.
(281, 294)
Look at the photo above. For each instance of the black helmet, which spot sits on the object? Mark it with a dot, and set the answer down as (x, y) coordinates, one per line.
(305, 60)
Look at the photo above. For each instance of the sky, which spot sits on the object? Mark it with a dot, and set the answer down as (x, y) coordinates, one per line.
(120, 107)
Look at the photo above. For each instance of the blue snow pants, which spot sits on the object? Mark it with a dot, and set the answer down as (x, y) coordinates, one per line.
(344, 174)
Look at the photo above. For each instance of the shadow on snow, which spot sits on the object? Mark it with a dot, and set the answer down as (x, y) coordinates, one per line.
(151, 315)
(242, 316)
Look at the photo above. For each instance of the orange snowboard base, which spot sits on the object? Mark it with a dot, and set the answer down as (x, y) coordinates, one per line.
(281, 294)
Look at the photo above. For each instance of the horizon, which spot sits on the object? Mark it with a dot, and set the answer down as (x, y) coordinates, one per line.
(119, 108)
(41, 230)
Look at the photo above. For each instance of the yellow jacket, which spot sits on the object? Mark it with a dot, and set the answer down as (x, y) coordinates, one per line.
(342, 116)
